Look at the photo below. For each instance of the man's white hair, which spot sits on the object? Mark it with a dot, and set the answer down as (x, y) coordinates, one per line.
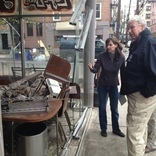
(139, 19)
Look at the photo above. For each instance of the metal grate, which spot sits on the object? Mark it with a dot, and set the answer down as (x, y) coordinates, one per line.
(27, 105)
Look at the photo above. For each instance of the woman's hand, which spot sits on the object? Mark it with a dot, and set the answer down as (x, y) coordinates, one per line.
(90, 66)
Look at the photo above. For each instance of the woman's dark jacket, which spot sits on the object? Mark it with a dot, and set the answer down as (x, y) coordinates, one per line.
(109, 69)
(140, 71)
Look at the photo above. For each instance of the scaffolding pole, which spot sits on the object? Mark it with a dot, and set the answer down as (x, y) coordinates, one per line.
(1, 135)
(89, 51)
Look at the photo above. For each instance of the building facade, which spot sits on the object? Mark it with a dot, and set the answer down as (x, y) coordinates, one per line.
(45, 32)
(153, 18)
(146, 8)
(52, 29)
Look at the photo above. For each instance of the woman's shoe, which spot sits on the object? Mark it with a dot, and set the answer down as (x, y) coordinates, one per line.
(104, 133)
(119, 133)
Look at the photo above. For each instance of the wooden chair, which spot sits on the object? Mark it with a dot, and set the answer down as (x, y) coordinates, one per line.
(59, 69)
(17, 72)
(75, 93)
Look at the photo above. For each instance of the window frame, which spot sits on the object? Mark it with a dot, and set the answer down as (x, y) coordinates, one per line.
(56, 19)
(99, 11)
(39, 29)
(30, 31)
(148, 8)
(148, 23)
(148, 16)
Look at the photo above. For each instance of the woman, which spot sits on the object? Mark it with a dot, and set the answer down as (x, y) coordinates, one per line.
(110, 63)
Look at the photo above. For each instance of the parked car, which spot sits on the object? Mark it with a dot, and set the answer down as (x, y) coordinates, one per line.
(67, 49)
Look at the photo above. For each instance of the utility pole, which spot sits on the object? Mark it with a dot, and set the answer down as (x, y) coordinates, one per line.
(128, 18)
(137, 8)
(118, 20)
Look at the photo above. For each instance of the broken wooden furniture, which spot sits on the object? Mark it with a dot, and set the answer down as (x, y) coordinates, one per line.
(57, 69)
(17, 71)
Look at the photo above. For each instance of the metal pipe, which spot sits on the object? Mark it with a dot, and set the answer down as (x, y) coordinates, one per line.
(84, 132)
(118, 20)
(36, 15)
(65, 148)
(79, 123)
(1, 135)
(57, 134)
(21, 23)
(12, 138)
(89, 53)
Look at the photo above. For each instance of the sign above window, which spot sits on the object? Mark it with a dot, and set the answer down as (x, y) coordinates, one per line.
(10, 7)
(46, 5)
(7, 7)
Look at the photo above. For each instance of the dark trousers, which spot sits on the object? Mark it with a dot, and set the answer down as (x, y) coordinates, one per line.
(105, 92)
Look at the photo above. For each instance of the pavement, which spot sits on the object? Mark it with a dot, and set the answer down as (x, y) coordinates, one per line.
(112, 145)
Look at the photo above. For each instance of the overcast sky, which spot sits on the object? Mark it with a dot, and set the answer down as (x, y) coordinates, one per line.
(126, 2)
(125, 6)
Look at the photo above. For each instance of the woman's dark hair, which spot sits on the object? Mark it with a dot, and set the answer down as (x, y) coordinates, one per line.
(118, 51)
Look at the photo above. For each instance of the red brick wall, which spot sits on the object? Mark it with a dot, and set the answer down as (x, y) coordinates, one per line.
(32, 41)
(105, 16)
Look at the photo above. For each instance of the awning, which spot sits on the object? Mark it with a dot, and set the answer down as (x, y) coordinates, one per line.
(66, 26)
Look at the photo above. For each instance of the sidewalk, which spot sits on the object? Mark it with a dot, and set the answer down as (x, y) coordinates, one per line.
(96, 145)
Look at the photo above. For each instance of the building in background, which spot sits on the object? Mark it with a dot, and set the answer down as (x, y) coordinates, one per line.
(45, 32)
(51, 29)
(146, 8)
(153, 18)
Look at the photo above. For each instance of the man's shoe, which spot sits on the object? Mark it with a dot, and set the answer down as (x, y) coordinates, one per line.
(104, 133)
(148, 150)
(119, 133)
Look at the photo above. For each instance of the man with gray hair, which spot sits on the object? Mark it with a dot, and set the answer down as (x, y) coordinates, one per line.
(138, 82)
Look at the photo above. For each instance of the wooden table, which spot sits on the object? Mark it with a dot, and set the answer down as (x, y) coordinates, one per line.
(54, 106)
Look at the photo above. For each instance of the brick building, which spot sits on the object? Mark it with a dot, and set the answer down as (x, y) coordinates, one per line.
(153, 18)
(146, 8)
(47, 31)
